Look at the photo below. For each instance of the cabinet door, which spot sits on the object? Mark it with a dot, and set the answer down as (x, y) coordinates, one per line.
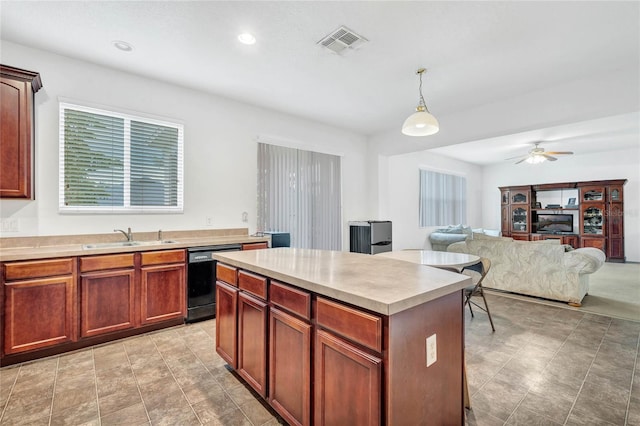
(16, 127)
(615, 221)
(593, 242)
(162, 293)
(504, 197)
(226, 322)
(520, 195)
(290, 367)
(592, 219)
(572, 240)
(107, 302)
(252, 342)
(39, 313)
(347, 383)
(505, 215)
(520, 219)
(615, 194)
(592, 194)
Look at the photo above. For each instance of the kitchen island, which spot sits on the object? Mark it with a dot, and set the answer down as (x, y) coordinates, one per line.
(331, 337)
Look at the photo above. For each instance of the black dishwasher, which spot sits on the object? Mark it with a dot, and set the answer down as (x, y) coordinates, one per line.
(201, 281)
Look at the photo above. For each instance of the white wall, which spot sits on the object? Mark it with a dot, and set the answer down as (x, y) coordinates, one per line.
(220, 148)
(403, 189)
(623, 164)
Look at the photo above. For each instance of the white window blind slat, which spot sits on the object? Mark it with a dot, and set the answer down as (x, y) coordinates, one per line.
(115, 162)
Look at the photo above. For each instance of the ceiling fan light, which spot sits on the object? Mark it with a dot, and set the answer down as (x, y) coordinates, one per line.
(420, 123)
(535, 159)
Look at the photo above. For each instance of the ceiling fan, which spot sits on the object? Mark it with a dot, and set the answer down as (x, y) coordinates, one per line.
(538, 155)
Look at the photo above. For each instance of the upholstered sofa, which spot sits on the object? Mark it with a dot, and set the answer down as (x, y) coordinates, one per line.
(441, 238)
(535, 268)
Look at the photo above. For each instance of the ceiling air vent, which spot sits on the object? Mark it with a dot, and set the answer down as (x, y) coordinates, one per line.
(341, 39)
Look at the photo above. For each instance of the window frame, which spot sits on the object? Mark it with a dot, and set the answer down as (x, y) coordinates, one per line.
(126, 208)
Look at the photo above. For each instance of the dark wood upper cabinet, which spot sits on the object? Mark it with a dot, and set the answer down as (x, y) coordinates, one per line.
(17, 128)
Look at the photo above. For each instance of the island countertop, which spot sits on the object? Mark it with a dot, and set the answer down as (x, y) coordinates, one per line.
(382, 285)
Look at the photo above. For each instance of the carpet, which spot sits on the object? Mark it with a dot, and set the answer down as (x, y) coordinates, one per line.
(614, 291)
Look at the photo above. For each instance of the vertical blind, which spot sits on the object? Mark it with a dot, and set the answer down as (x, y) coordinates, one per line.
(443, 199)
(113, 162)
(299, 193)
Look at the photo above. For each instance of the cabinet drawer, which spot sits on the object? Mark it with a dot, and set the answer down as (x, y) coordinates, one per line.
(112, 261)
(291, 299)
(255, 246)
(254, 284)
(38, 269)
(228, 274)
(160, 257)
(356, 325)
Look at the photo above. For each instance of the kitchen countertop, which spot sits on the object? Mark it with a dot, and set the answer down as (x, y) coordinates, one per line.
(50, 247)
(379, 284)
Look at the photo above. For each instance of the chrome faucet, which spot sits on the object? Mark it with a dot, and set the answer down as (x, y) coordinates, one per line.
(127, 234)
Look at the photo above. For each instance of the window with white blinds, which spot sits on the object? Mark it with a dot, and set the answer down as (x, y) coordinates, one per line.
(299, 192)
(443, 199)
(112, 162)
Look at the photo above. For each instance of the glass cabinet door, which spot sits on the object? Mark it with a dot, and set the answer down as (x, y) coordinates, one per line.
(615, 194)
(592, 220)
(519, 220)
(520, 198)
(592, 194)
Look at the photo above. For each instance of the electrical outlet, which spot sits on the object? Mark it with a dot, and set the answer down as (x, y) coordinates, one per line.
(209, 221)
(245, 217)
(10, 225)
(432, 350)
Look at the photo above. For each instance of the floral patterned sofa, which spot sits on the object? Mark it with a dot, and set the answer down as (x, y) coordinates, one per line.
(535, 268)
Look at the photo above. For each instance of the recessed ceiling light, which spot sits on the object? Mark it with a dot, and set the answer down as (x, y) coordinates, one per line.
(122, 45)
(246, 38)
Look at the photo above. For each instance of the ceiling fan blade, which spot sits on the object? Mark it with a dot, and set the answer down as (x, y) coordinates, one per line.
(517, 156)
(518, 162)
(559, 152)
(548, 157)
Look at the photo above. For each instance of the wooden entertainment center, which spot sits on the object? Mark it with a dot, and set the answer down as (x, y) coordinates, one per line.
(597, 208)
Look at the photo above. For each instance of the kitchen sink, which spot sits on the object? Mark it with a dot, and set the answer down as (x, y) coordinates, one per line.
(127, 244)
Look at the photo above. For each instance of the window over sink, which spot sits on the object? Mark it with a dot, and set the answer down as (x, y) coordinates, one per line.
(114, 162)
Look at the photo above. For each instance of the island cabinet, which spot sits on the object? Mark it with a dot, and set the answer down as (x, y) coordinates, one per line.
(107, 294)
(39, 304)
(348, 365)
(252, 330)
(290, 334)
(163, 286)
(329, 362)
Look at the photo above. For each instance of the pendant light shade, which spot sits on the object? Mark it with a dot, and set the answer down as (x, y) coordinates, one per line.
(421, 122)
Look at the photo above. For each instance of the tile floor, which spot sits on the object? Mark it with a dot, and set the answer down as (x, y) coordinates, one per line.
(543, 366)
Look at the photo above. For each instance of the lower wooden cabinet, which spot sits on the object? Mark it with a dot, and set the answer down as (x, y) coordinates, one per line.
(227, 322)
(290, 367)
(162, 293)
(39, 304)
(107, 302)
(55, 305)
(347, 383)
(107, 294)
(595, 242)
(252, 341)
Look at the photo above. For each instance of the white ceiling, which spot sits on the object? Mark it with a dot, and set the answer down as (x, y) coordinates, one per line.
(501, 74)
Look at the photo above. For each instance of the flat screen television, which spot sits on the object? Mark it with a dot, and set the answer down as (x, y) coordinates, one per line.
(552, 223)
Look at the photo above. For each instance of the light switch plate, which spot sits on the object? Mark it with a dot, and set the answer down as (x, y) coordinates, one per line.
(432, 350)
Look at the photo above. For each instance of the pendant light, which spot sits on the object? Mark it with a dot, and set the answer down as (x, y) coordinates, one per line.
(421, 122)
